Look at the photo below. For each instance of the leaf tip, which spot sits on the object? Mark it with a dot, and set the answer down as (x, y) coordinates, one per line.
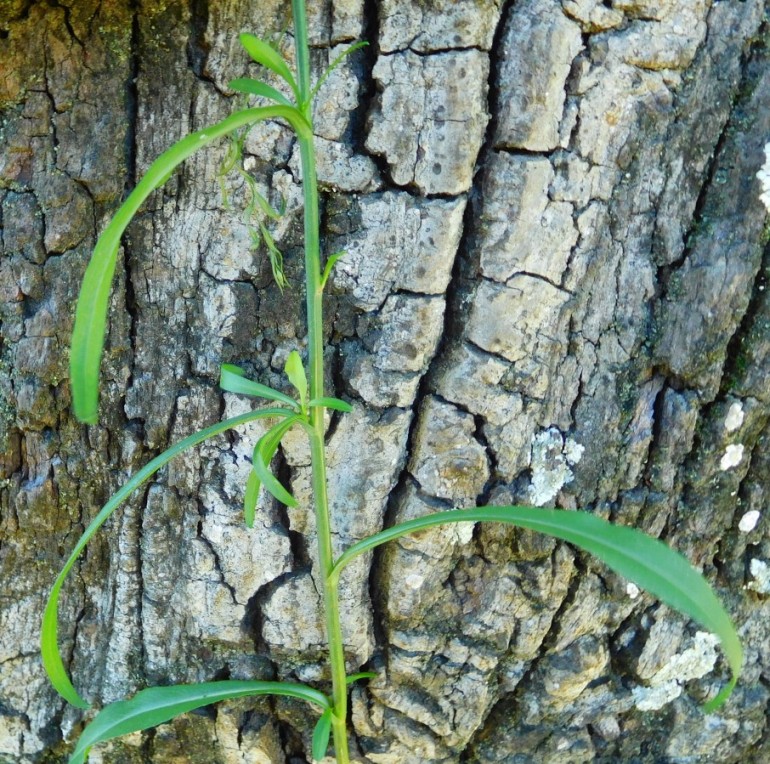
(86, 414)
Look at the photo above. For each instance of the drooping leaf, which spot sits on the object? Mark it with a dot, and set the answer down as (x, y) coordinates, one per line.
(321, 735)
(330, 262)
(91, 312)
(250, 497)
(266, 55)
(49, 647)
(331, 403)
(271, 483)
(269, 442)
(295, 371)
(266, 447)
(232, 379)
(263, 453)
(157, 705)
(646, 561)
(256, 88)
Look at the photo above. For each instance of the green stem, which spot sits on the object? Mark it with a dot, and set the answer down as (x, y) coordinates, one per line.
(316, 368)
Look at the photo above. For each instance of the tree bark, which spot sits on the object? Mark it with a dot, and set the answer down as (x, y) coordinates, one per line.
(553, 294)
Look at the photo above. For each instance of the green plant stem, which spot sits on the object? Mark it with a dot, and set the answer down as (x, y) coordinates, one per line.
(316, 367)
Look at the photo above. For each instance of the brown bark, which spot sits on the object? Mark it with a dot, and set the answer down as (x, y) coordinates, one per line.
(554, 293)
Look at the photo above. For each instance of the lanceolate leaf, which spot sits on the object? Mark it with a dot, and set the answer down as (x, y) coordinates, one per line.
(269, 442)
(257, 88)
(321, 734)
(91, 311)
(331, 403)
(266, 447)
(263, 453)
(152, 707)
(266, 55)
(295, 371)
(232, 379)
(52, 660)
(638, 557)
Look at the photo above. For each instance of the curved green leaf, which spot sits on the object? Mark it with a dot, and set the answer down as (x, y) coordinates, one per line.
(263, 453)
(250, 497)
(269, 442)
(49, 647)
(350, 678)
(646, 561)
(266, 55)
(331, 403)
(271, 483)
(157, 705)
(257, 88)
(91, 312)
(321, 735)
(266, 446)
(232, 379)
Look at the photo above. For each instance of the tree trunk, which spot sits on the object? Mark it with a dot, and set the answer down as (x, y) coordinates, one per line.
(553, 294)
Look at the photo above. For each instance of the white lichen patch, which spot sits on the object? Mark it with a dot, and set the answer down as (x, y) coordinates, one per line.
(760, 573)
(732, 456)
(666, 684)
(632, 590)
(550, 461)
(749, 521)
(734, 418)
(414, 580)
(573, 451)
(764, 177)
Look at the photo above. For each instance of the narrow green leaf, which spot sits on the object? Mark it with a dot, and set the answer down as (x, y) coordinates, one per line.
(360, 675)
(257, 88)
(52, 660)
(271, 483)
(330, 262)
(266, 55)
(157, 705)
(250, 497)
(266, 446)
(646, 561)
(91, 312)
(295, 371)
(263, 453)
(232, 379)
(331, 403)
(321, 735)
(269, 442)
(334, 64)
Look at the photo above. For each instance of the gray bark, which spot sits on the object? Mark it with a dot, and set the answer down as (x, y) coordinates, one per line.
(554, 293)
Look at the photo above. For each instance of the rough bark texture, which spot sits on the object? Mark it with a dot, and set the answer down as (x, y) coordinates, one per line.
(554, 293)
